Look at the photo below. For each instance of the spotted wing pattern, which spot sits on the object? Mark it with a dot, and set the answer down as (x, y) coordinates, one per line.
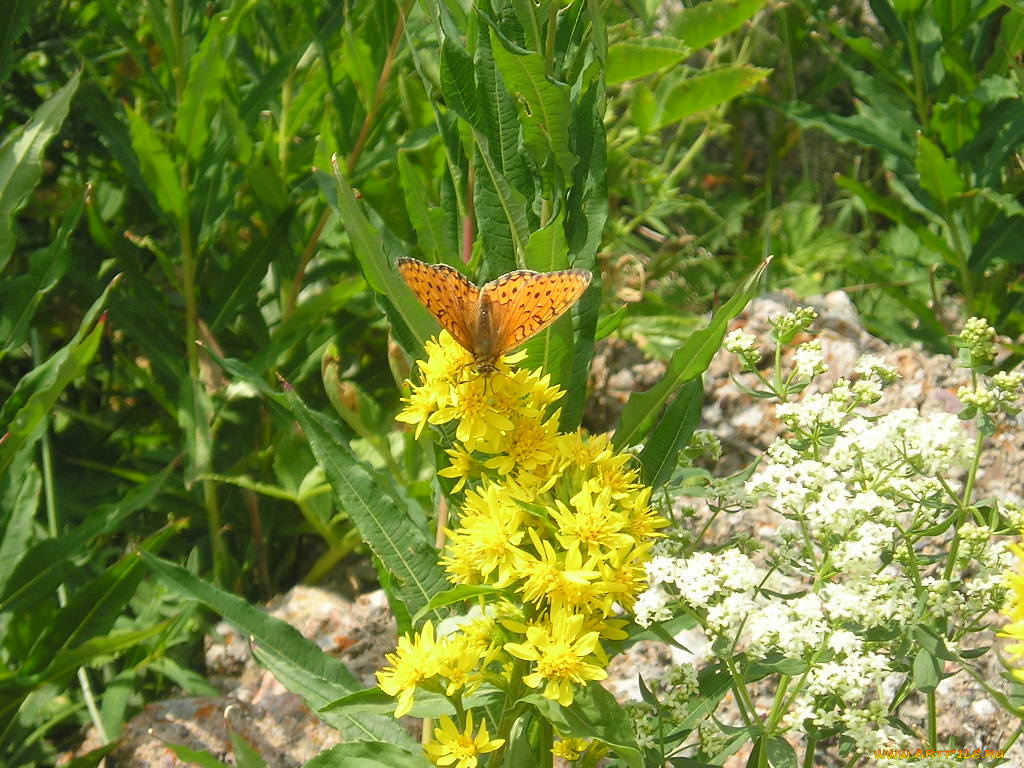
(449, 296)
(524, 303)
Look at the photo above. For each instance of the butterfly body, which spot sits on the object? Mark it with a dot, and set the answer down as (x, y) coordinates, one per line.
(496, 318)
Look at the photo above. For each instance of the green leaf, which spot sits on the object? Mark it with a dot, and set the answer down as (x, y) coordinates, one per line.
(457, 84)
(780, 752)
(14, 19)
(302, 665)
(939, 174)
(28, 422)
(245, 755)
(430, 223)
(704, 23)
(688, 362)
(926, 670)
(403, 549)
(636, 57)
(594, 714)
(500, 215)
(547, 251)
(368, 754)
(204, 89)
(543, 105)
(20, 487)
(20, 296)
(379, 272)
(160, 169)
(500, 123)
(673, 433)
(457, 595)
(44, 566)
(21, 158)
(704, 91)
(198, 757)
(236, 287)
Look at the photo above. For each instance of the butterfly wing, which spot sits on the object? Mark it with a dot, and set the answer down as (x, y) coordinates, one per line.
(446, 293)
(524, 303)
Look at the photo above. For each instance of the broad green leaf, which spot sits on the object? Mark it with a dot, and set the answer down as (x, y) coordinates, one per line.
(691, 360)
(457, 84)
(780, 752)
(636, 57)
(204, 90)
(594, 714)
(586, 205)
(706, 22)
(160, 169)
(500, 215)
(368, 754)
(938, 173)
(309, 671)
(704, 91)
(500, 123)
(21, 158)
(403, 549)
(20, 296)
(547, 249)
(672, 434)
(543, 105)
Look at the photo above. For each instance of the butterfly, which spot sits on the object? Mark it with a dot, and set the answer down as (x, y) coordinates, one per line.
(497, 318)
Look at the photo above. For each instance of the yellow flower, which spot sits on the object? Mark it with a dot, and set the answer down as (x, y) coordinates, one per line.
(593, 524)
(564, 579)
(413, 662)
(487, 541)
(480, 424)
(463, 466)
(526, 446)
(458, 659)
(561, 656)
(460, 748)
(570, 749)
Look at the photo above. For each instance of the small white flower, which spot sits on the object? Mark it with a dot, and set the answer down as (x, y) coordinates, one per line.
(808, 359)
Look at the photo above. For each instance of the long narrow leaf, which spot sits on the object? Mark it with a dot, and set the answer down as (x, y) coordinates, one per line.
(691, 360)
(21, 158)
(310, 673)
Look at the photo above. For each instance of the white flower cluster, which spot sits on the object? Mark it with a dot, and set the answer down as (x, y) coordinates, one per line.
(859, 495)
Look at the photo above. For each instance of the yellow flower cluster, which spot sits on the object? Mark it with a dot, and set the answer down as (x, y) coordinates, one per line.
(558, 521)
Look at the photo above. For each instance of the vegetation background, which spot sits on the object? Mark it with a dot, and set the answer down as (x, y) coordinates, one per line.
(178, 229)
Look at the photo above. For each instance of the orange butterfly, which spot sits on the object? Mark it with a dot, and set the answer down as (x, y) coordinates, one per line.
(497, 318)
